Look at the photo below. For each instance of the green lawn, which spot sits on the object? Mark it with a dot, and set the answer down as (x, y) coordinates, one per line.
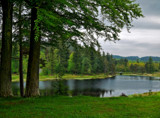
(80, 107)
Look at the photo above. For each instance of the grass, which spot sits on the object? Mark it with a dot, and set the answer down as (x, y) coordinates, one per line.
(155, 74)
(15, 77)
(80, 107)
(66, 76)
(145, 105)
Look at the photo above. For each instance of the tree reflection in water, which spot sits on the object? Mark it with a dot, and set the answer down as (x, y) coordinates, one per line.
(98, 87)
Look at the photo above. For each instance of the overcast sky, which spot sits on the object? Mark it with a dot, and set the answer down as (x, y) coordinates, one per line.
(144, 39)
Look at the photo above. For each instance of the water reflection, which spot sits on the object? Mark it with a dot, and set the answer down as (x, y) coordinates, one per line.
(98, 87)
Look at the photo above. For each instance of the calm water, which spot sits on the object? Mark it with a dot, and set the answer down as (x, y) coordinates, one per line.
(98, 87)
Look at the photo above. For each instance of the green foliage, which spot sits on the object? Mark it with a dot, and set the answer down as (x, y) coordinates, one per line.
(71, 63)
(149, 66)
(62, 23)
(76, 60)
(83, 60)
(15, 60)
(56, 62)
(25, 64)
(64, 19)
(86, 66)
(37, 25)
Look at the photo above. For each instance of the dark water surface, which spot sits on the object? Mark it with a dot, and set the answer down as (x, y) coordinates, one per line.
(98, 87)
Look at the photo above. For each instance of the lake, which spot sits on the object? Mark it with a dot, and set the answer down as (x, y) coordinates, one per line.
(108, 87)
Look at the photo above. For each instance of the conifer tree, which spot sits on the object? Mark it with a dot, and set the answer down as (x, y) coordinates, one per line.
(71, 63)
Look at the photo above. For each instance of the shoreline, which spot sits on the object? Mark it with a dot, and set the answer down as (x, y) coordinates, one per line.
(154, 93)
(156, 74)
(66, 77)
(85, 77)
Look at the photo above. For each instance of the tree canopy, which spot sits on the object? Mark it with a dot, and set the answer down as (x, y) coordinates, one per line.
(66, 21)
(84, 20)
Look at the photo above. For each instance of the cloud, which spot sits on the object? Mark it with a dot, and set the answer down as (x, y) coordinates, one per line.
(144, 39)
(137, 43)
(132, 48)
(150, 7)
(142, 35)
(151, 11)
(148, 22)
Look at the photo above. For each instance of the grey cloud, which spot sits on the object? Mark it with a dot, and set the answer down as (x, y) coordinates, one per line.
(150, 7)
(132, 48)
(144, 39)
(145, 25)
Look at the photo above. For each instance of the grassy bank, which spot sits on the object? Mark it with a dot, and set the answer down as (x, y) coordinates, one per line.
(156, 74)
(66, 76)
(80, 107)
(82, 77)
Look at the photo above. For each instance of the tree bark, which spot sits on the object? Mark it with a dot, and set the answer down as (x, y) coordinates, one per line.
(21, 52)
(6, 52)
(32, 86)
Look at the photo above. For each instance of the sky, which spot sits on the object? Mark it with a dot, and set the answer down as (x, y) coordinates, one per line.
(144, 37)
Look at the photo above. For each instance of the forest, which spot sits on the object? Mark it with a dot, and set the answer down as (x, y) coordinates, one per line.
(66, 59)
(37, 27)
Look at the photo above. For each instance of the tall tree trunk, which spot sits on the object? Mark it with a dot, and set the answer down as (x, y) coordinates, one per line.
(5, 69)
(32, 86)
(21, 52)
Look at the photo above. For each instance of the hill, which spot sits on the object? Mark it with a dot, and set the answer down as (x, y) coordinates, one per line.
(134, 58)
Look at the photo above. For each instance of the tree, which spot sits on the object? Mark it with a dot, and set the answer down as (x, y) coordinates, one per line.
(71, 63)
(64, 56)
(18, 34)
(58, 64)
(21, 26)
(77, 57)
(51, 60)
(47, 55)
(86, 66)
(56, 61)
(21, 50)
(125, 62)
(65, 19)
(14, 61)
(6, 51)
(149, 66)
(32, 84)
(105, 66)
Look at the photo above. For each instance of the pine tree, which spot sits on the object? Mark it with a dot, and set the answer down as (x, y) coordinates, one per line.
(71, 63)
(56, 62)
(149, 66)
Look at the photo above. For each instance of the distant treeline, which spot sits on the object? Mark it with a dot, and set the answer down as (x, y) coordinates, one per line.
(135, 58)
(79, 59)
(65, 58)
